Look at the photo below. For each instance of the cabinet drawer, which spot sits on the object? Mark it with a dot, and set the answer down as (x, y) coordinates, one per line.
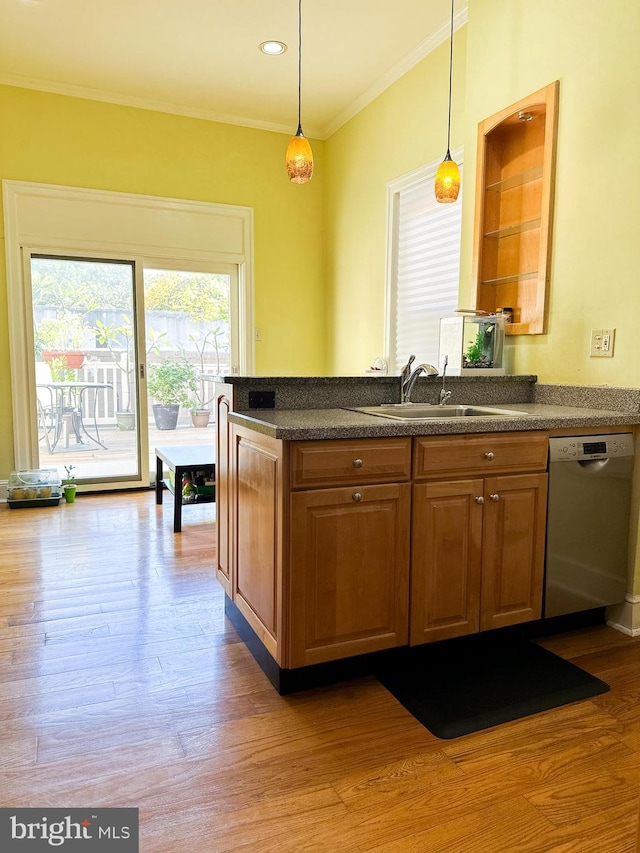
(329, 463)
(480, 454)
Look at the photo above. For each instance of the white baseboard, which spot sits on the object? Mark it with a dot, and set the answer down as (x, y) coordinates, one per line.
(625, 617)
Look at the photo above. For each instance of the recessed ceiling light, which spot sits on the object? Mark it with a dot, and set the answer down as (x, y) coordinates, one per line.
(273, 48)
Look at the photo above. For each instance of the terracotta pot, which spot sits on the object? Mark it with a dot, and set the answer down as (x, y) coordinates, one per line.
(73, 360)
(200, 417)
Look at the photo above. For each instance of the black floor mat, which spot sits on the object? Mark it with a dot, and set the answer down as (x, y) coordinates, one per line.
(468, 684)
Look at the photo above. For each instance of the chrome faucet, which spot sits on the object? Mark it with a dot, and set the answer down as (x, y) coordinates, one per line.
(405, 373)
(444, 394)
(408, 379)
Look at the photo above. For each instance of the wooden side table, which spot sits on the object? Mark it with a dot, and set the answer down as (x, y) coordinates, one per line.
(180, 460)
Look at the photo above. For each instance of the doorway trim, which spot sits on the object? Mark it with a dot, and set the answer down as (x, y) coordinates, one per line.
(75, 220)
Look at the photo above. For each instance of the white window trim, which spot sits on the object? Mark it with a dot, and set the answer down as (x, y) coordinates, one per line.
(79, 221)
(394, 188)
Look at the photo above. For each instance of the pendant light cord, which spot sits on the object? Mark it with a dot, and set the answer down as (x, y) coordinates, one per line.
(299, 133)
(450, 80)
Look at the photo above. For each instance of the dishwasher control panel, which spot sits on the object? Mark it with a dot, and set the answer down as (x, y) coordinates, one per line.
(575, 448)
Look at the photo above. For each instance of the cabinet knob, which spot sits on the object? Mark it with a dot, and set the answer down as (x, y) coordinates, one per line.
(357, 463)
(495, 498)
(357, 496)
(488, 455)
(479, 500)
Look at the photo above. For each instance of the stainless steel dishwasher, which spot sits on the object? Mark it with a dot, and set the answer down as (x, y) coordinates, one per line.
(587, 521)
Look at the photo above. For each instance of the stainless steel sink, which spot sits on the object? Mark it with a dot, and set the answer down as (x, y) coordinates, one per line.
(423, 412)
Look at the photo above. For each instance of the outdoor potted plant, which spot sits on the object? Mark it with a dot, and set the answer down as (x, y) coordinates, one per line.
(200, 411)
(62, 338)
(69, 484)
(170, 384)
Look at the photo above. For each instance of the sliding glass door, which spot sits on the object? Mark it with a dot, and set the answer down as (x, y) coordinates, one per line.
(125, 354)
(191, 334)
(86, 362)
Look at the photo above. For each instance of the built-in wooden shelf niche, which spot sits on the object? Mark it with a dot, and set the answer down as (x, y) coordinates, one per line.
(513, 213)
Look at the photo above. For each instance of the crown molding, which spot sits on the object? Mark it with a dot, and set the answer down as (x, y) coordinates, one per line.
(140, 103)
(396, 72)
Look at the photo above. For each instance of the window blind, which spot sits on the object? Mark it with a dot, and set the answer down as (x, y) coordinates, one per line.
(425, 270)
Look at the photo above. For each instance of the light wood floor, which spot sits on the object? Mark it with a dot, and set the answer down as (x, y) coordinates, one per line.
(122, 684)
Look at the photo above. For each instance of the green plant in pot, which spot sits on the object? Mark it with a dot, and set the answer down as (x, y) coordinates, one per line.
(69, 484)
(199, 404)
(62, 338)
(171, 384)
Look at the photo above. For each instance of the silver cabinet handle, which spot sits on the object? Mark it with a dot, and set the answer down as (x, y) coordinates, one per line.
(488, 455)
(357, 497)
(495, 498)
(357, 463)
(479, 500)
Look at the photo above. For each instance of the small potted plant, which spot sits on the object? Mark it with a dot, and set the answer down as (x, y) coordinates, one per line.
(200, 411)
(62, 338)
(69, 484)
(169, 385)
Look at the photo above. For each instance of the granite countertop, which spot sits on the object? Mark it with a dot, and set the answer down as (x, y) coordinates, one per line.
(304, 424)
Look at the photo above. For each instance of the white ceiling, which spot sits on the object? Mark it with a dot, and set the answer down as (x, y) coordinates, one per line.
(201, 57)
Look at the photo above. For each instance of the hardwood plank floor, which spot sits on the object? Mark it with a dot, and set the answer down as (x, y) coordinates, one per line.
(122, 684)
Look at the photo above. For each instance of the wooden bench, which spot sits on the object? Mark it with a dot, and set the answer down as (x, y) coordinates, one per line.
(180, 460)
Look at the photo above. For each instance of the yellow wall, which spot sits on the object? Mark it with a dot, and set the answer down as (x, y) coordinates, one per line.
(508, 50)
(591, 47)
(404, 128)
(69, 141)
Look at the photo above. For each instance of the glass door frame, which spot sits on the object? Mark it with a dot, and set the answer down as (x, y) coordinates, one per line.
(26, 417)
(237, 316)
(80, 221)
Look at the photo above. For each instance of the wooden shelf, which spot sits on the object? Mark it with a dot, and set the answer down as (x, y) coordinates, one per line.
(510, 230)
(518, 180)
(512, 279)
(513, 214)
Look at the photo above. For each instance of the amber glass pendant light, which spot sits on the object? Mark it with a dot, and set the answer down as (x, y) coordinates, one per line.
(447, 185)
(299, 154)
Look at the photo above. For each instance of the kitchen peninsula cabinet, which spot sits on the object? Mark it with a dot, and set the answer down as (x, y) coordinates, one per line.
(345, 538)
(324, 565)
(477, 559)
(321, 573)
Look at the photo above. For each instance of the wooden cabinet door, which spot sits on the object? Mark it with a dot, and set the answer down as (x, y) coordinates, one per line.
(513, 549)
(257, 535)
(349, 571)
(445, 560)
